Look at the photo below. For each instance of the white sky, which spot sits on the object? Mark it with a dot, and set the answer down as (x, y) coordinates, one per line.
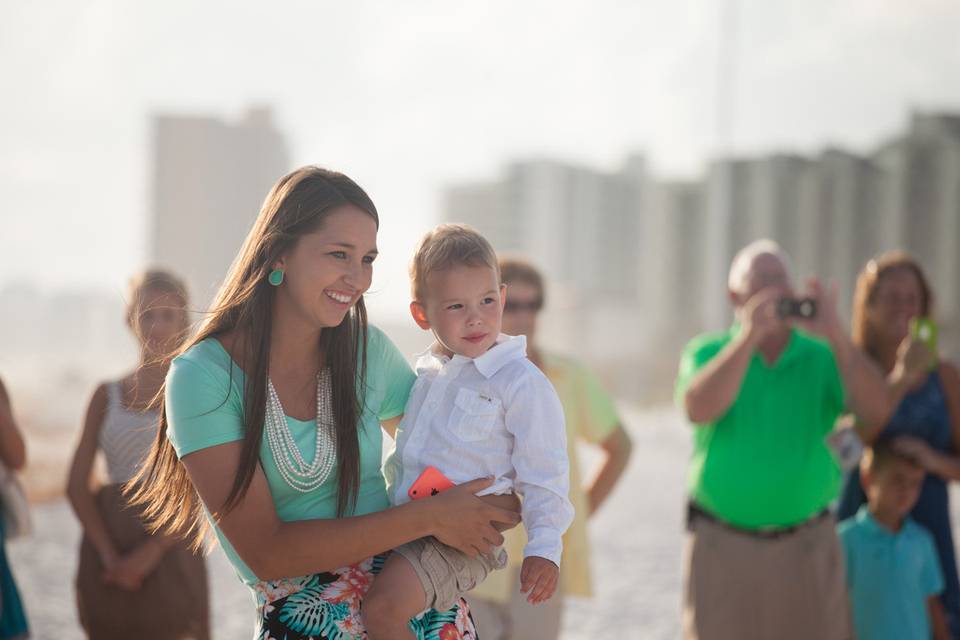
(408, 96)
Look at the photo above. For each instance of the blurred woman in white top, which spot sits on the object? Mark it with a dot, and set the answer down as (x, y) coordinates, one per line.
(130, 582)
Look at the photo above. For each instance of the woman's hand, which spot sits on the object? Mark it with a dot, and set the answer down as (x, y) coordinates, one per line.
(913, 363)
(465, 522)
(936, 462)
(130, 570)
(917, 450)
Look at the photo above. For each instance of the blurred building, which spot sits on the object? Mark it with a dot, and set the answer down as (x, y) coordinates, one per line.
(750, 199)
(641, 264)
(209, 180)
(673, 259)
(921, 197)
(849, 227)
(581, 226)
(833, 212)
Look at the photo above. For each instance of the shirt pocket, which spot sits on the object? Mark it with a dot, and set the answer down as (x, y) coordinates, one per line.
(476, 414)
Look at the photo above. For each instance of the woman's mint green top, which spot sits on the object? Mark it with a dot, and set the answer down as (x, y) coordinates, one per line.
(204, 403)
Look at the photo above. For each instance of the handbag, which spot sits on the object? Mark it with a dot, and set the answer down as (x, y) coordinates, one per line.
(14, 508)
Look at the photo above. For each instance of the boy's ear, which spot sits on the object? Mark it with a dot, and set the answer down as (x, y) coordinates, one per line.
(503, 296)
(419, 315)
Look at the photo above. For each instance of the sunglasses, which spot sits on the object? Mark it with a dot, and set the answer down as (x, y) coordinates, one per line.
(517, 307)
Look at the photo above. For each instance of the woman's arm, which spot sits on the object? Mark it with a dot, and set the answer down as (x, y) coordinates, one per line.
(275, 549)
(942, 464)
(950, 379)
(911, 368)
(616, 449)
(78, 483)
(13, 451)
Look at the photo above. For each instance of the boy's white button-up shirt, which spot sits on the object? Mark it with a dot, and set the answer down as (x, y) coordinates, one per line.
(495, 415)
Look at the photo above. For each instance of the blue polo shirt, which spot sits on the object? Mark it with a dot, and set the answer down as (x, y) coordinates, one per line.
(890, 577)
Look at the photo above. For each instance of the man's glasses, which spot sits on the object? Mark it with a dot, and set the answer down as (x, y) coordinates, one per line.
(518, 306)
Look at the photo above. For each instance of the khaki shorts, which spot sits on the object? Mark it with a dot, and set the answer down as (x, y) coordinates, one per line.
(446, 573)
(743, 587)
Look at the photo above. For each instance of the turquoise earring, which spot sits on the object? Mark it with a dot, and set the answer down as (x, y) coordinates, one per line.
(275, 277)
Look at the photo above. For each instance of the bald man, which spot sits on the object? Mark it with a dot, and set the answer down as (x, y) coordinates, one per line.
(763, 559)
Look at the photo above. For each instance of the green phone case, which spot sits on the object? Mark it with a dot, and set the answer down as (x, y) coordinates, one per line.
(925, 330)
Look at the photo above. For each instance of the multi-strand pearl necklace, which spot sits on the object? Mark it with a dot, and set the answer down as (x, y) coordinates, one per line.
(293, 468)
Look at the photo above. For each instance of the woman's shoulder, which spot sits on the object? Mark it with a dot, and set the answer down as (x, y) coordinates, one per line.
(948, 372)
(380, 349)
(205, 362)
(208, 353)
(377, 340)
(949, 376)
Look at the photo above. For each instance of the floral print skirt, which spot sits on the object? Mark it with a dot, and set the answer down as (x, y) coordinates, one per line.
(326, 606)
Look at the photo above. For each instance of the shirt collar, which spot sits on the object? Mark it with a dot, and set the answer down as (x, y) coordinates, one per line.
(505, 350)
(789, 353)
(866, 520)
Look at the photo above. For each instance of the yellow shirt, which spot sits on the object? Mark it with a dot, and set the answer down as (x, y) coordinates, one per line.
(590, 416)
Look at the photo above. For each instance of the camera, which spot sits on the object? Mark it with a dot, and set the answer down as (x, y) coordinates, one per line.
(797, 308)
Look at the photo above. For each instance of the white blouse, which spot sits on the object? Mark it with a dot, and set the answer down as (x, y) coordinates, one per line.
(495, 415)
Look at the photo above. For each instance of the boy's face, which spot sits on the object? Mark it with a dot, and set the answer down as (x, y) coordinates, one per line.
(463, 307)
(894, 487)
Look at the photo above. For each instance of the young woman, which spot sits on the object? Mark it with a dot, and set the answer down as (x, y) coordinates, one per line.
(13, 455)
(891, 291)
(272, 418)
(130, 582)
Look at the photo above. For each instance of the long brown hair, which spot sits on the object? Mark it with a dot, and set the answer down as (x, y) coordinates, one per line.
(868, 283)
(297, 204)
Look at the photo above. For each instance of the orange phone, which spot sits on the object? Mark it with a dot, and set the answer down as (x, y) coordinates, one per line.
(430, 483)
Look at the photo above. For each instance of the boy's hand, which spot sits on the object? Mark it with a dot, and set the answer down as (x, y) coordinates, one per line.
(539, 577)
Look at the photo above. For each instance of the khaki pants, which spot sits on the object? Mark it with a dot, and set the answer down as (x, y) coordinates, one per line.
(744, 587)
(517, 619)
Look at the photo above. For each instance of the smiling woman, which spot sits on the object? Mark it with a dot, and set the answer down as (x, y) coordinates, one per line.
(286, 352)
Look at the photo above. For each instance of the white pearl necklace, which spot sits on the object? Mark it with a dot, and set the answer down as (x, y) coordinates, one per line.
(293, 468)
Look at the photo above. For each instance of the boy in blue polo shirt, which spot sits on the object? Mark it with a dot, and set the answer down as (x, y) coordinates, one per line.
(893, 574)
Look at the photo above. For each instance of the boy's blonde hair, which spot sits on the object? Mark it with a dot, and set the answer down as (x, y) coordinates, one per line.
(446, 246)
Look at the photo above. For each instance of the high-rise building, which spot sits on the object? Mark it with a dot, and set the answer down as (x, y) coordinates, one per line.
(642, 264)
(582, 227)
(921, 193)
(847, 224)
(209, 180)
(674, 260)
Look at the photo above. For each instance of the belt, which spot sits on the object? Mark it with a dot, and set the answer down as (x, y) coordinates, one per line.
(695, 511)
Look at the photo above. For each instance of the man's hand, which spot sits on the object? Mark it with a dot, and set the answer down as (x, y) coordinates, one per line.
(826, 323)
(539, 577)
(759, 318)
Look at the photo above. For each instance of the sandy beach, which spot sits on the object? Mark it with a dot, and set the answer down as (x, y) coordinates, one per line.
(638, 540)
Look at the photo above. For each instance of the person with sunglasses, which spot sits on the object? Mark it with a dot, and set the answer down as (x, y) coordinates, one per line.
(498, 607)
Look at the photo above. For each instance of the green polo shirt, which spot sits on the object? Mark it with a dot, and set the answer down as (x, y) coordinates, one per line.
(765, 462)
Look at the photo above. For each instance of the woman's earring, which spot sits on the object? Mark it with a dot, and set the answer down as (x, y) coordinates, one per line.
(275, 277)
